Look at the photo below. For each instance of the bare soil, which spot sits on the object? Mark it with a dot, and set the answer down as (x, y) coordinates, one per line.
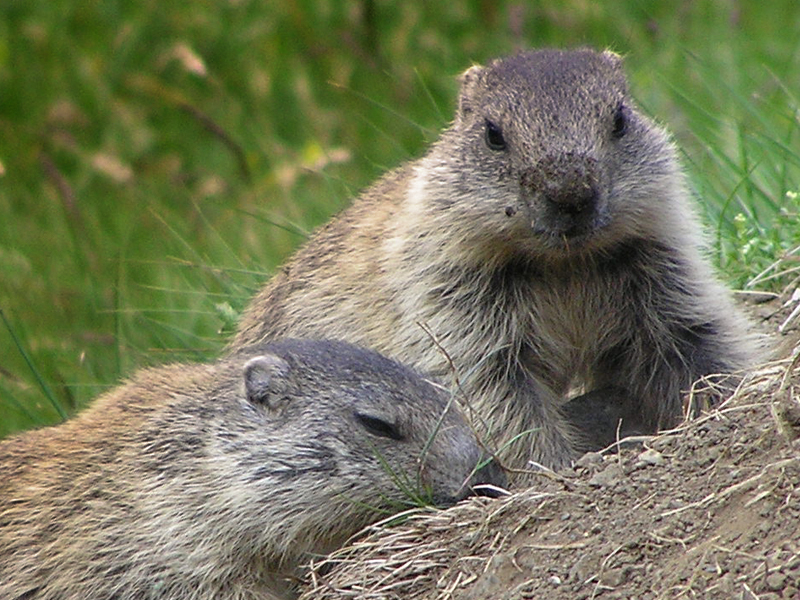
(709, 510)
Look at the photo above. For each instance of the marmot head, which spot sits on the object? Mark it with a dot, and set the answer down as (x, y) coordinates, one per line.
(556, 153)
(358, 416)
(332, 437)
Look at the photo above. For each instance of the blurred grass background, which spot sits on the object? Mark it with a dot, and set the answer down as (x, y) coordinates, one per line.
(158, 160)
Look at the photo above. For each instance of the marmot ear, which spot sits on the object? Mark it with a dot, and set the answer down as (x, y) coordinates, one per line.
(469, 80)
(266, 380)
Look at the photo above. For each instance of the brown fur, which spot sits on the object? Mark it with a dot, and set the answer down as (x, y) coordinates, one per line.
(567, 257)
(215, 481)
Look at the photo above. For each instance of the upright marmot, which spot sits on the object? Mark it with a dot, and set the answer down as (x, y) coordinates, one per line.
(546, 241)
(214, 481)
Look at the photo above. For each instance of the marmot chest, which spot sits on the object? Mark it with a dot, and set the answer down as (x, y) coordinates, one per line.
(571, 324)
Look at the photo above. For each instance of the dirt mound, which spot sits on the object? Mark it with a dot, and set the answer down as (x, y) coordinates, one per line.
(708, 510)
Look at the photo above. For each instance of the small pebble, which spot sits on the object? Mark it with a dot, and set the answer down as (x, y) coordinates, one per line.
(607, 477)
(589, 459)
(651, 457)
(776, 581)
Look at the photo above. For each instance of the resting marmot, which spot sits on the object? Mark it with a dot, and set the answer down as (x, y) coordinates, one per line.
(215, 481)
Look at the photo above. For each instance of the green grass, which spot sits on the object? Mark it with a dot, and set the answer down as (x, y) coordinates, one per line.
(159, 159)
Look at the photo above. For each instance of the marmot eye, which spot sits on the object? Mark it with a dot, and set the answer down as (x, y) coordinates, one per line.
(494, 137)
(620, 122)
(379, 427)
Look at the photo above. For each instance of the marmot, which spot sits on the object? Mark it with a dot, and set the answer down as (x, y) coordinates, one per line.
(215, 481)
(547, 242)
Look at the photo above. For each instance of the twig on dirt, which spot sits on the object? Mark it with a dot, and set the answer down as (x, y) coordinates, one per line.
(670, 540)
(751, 594)
(687, 587)
(631, 439)
(789, 370)
(616, 437)
(644, 501)
(742, 485)
(599, 586)
(567, 546)
(461, 580)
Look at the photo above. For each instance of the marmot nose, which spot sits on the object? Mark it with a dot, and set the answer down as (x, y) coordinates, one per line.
(571, 198)
(488, 481)
(564, 189)
(567, 182)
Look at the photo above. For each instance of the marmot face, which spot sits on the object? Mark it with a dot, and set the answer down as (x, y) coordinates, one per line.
(564, 161)
(383, 424)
